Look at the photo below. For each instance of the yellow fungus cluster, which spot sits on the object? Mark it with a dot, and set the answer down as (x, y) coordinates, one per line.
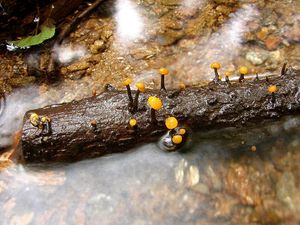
(177, 139)
(132, 122)
(243, 70)
(228, 73)
(155, 103)
(127, 82)
(182, 131)
(45, 119)
(272, 88)
(171, 123)
(34, 119)
(163, 71)
(215, 65)
(140, 86)
(182, 86)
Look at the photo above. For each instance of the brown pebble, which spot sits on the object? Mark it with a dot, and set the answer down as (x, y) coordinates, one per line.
(272, 42)
(253, 148)
(93, 123)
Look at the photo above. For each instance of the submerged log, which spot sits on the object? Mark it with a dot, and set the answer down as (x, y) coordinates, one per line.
(99, 125)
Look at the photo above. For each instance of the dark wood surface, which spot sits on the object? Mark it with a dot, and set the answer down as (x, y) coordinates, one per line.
(199, 108)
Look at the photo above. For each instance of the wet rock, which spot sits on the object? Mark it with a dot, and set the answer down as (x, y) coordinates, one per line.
(239, 182)
(287, 192)
(293, 34)
(171, 2)
(143, 53)
(171, 23)
(170, 37)
(193, 176)
(76, 75)
(262, 34)
(226, 2)
(214, 179)
(97, 47)
(81, 65)
(22, 81)
(257, 57)
(201, 188)
(272, 42)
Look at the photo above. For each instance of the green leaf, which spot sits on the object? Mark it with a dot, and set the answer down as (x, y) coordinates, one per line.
(47, 32)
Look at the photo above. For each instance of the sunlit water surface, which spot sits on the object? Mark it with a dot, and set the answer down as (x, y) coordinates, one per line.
(247, 175)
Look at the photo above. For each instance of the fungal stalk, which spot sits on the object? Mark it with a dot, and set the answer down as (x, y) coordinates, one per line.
(215, 66)
(283, 69)
(227, 74)
(127, 83)
(133, 124)
(163, 72)
(155, 104)
(140, 88)
(243, 72)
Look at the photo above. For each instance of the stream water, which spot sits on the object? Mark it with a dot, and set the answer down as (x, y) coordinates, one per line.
(246, 175)
(222, 179)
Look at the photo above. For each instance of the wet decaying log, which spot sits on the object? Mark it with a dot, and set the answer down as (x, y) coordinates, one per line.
(73, 137)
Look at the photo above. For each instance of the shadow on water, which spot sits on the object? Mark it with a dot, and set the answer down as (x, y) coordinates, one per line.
(149, 186)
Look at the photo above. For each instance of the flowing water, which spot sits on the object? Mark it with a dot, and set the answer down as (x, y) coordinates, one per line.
(246, 175)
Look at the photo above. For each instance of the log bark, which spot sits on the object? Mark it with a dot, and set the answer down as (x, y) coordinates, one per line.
(215, 105)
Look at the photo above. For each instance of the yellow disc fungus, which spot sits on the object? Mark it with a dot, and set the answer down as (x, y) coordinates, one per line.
(163, 71)
(155, 103)
(228, 73)
(171, 123)
(45, 119)
(34, 119)
(132, 122)
(177, 139)
(127, 82)
(140, 86)
(272, 88)
(215, 65)
(243, 70)
(181, 131)
(182, 86)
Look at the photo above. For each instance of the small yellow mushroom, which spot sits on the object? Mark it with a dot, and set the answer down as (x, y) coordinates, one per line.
(177, 139)
(163, 72)
(132, 122)
(155, 104)
(243, 72)
(140, 86)
(182, 131)
(272, 89)
(215, 66)
(182, 86)
(227, 75)
(127, 83)
(45, 119)
(171, 123)
(34, 119)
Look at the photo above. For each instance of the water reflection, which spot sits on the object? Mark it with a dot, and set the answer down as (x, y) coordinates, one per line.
(221, 179)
